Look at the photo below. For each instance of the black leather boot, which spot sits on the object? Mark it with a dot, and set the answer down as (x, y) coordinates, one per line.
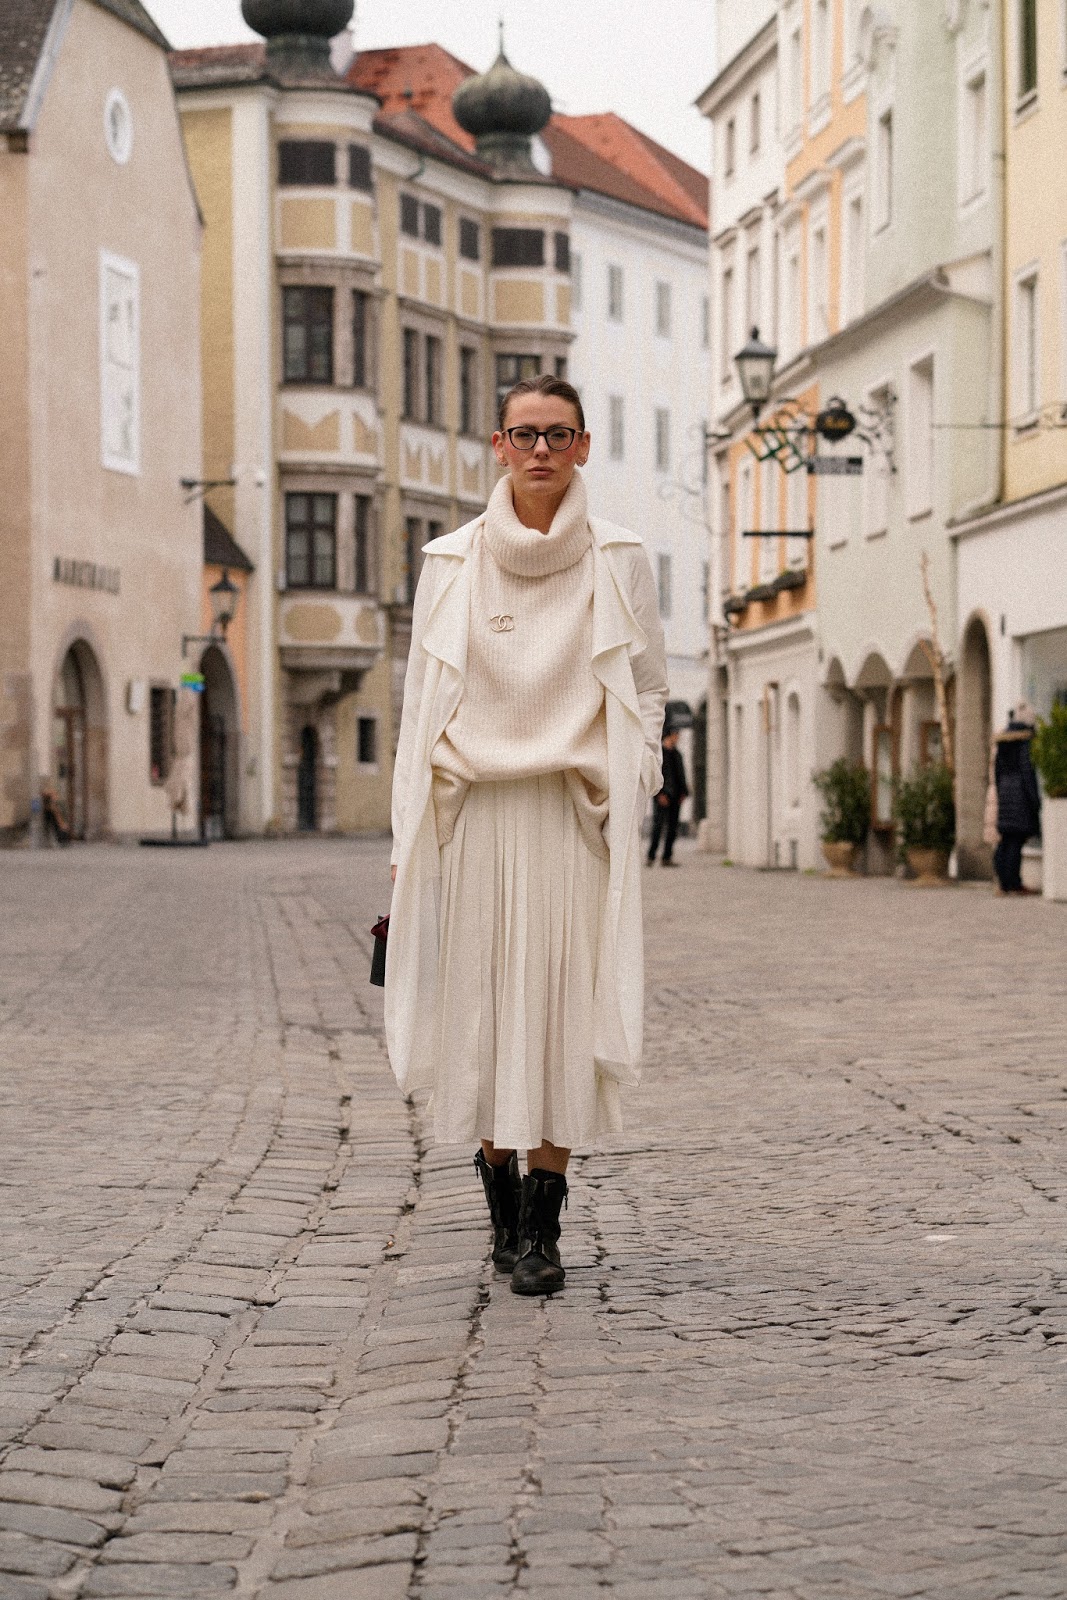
(501, 1186)
(538, 1269)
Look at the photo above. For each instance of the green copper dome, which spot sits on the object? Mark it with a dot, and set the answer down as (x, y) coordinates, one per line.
(503, 109)
(298, 32)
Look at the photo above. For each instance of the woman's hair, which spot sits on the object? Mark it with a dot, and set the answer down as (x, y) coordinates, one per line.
(559, 388)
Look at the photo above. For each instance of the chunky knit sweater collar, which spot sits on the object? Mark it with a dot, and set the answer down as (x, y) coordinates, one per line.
(527, 552)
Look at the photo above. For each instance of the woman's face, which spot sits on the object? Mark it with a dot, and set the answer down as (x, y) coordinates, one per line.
(541, 473)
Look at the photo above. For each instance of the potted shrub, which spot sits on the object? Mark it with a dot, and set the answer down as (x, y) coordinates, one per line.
(925, 809)
(1049, 753)
(846, 816)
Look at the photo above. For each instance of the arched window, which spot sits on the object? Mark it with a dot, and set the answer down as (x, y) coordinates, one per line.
(792, 748)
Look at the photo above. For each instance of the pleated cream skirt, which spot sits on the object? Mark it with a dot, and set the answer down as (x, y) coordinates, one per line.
(523, 899)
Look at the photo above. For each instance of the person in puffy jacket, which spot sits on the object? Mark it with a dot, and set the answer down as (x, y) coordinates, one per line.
(1018, 798)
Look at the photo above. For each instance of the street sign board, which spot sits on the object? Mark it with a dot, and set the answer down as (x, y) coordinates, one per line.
(835, 466)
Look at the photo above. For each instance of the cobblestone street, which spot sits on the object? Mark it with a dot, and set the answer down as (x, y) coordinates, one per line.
(814, 1336)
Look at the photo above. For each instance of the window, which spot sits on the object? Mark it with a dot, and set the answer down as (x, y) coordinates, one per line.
(468, 390)
(745, 522)
(559, 366)
(792, 748)
(576, 281)
(307, 335)
(729, 157)
(1027, 48)
(518, 247)
(663, 310)
(562, 248)
(615, 293)
(411, 375)
(796, 74)
(754, 130)
(311, 541)
(790, 312)
(877, 475)
(820, 53)
(308, 162)
(663, 439)
(360, 321)
(974, 139)
(433, 380)
(884, 173)
(513, 369)
(616, 435)
(434, 530)
(1027, 348)
(367, 741)
(409, 216)
(852, 287)
(120, 364)
(161, 703)
(431, 224)
(364, 565)
(470, 240)
(705, 322)
(770, 473)
(359, 167)
(663, 583)
(819, 287)
(726, 327)
(752, 287)
(412, 545)
(798, 518)
(705, 595)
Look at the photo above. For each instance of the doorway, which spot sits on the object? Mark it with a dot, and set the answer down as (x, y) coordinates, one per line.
(79, 743)
(219, 730)
(307, 806)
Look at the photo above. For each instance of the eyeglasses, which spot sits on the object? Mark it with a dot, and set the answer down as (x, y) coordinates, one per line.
(558, 439)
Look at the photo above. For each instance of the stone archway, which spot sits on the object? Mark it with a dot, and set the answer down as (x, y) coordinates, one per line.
(974, 734)
(78, 764)
(219, 747)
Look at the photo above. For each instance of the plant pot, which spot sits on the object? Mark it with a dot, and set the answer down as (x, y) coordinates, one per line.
(1054, 848)
(841, 856)
(929, 866)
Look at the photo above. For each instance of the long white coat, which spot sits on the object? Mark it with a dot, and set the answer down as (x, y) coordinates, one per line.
(629, 660)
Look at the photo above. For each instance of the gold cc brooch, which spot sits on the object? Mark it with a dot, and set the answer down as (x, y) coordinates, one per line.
(502, 623)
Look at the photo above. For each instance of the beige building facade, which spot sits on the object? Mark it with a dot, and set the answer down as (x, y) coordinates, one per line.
(367, 288)
(100, 555)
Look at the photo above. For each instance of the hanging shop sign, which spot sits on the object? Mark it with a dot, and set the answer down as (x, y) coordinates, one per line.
(835, 420)
(835, 466)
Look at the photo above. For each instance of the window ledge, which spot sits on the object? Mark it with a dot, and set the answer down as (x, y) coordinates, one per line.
(920, 514)
(1025, 106)
(1027, 426)
(876, 533)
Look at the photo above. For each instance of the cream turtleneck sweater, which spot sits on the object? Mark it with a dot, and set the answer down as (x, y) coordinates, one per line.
(531, 704)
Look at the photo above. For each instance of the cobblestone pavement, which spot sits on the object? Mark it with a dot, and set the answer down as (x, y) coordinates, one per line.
(814, 1336)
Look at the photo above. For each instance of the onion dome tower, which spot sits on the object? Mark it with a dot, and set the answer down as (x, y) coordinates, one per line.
(298, 32)
(503, 109)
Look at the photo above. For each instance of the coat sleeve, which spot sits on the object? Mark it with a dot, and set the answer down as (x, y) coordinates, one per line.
(414, 678)
(649, 667)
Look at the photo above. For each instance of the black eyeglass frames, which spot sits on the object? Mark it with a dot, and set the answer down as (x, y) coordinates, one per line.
(558, 439)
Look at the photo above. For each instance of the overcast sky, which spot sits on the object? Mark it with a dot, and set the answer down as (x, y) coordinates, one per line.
(646, 61)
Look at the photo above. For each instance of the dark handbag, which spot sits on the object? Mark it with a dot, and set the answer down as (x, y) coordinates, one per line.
(380, 933)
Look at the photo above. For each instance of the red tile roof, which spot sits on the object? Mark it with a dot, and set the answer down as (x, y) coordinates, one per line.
(600, 152)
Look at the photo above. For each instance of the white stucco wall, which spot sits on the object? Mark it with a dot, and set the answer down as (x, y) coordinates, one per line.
(648, 371)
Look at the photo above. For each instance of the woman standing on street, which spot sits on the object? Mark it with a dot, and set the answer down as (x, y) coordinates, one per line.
(529, 745)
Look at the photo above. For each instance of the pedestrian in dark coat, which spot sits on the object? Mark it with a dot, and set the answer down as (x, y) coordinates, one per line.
(668, 803)
(1018, 798)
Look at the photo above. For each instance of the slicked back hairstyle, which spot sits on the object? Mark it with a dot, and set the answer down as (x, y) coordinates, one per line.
(559, 388)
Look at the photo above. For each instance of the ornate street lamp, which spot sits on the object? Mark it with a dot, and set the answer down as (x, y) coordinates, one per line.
(223, 602)
(224, 597)
(755, 368)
